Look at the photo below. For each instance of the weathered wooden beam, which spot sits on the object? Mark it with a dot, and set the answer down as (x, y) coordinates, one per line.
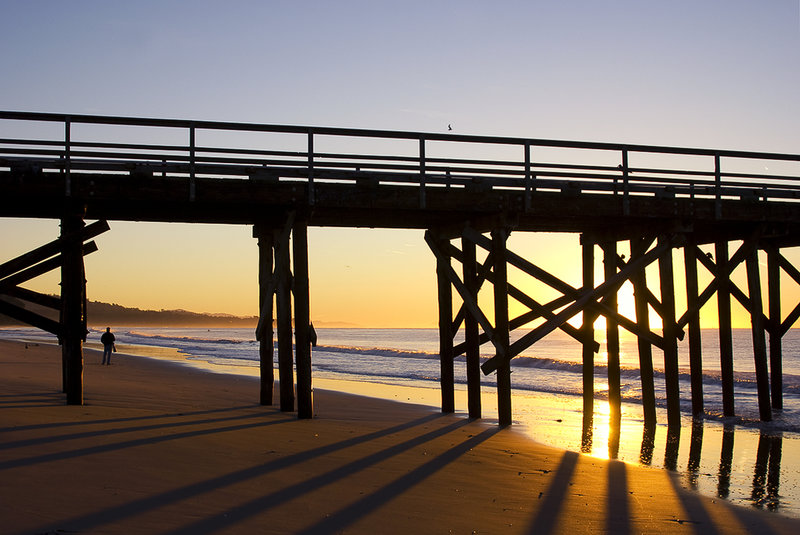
(302, 320)
(775, 333)
(639, 281)
(589, 317)
(48, 250)
(55, 262)
(49, 301)
(472, 344)
(759, 337)
(502, 331)
(580, 304)
(789, 268)
(31, 318)
(73, 292)
(544, 311)
(468, 299)
(283, 312)
(264, 331)
(514, 323)
(610, 259)
(695, 341)
(557, 284)
(462, 313)
(719, 274)
(446, 368)
(725, 331)
(671, 371)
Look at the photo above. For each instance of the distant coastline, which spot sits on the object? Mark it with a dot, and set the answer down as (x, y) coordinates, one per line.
(111, 314)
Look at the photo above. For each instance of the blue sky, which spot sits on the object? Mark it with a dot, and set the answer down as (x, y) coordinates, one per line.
(721, 74)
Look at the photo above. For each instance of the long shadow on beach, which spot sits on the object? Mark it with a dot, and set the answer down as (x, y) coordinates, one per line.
(141, 506)
(49, 439)
(101, 448)
(341, 519)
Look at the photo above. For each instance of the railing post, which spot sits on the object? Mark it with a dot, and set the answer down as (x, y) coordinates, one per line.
(528, 177)
(310, 167)
(717, 187)
(626, 199)
(192, 184)
(67, 161)
(422, 172)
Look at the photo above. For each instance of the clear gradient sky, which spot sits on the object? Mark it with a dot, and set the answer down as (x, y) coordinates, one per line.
(717, 74)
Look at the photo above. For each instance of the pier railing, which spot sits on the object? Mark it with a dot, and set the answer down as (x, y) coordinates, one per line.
(65, 144)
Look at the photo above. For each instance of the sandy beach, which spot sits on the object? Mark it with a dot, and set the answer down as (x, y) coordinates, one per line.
(159, 448)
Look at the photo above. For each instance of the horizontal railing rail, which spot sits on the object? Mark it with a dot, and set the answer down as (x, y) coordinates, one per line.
(423, 160)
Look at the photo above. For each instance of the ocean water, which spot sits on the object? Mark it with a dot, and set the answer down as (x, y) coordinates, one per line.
(739, 459)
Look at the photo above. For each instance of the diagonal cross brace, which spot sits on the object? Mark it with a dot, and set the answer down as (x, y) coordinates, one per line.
(539, 310)
(738, 257)
(567, 289)
(30, 318)
(39, 269)
(466, 296)
(49, 250)
(794, 315)
(607, 287)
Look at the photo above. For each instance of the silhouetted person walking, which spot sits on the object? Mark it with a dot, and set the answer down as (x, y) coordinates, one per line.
(108, 339)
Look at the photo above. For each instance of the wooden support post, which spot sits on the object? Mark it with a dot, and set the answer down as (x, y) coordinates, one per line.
(73, 292)
(447, 378)
(612, 338)
(264, 332)
(671, 371)
(725, 330)
(283, 312)
(759, 336)
(587, 248)
(501, 329)
(695, 342)
(302, 320)
(775, 331)
(639, 280)
(471, 331)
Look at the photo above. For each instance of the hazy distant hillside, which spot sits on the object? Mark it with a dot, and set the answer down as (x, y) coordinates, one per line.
(106, 314)
(113, 315)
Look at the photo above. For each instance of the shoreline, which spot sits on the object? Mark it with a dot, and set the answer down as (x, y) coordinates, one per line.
(162, 449)
(744, 465)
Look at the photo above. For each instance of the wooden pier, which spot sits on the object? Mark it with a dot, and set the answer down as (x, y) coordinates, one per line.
(637, 205)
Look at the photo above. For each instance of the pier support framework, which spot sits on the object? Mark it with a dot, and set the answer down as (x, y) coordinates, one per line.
(70, 328)
(595, 300)
(281, 248)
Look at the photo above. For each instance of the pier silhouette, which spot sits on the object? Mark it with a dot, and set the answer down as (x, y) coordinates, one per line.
(465, 190)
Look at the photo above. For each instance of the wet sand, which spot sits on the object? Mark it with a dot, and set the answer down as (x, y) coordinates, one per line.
(159, 448)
